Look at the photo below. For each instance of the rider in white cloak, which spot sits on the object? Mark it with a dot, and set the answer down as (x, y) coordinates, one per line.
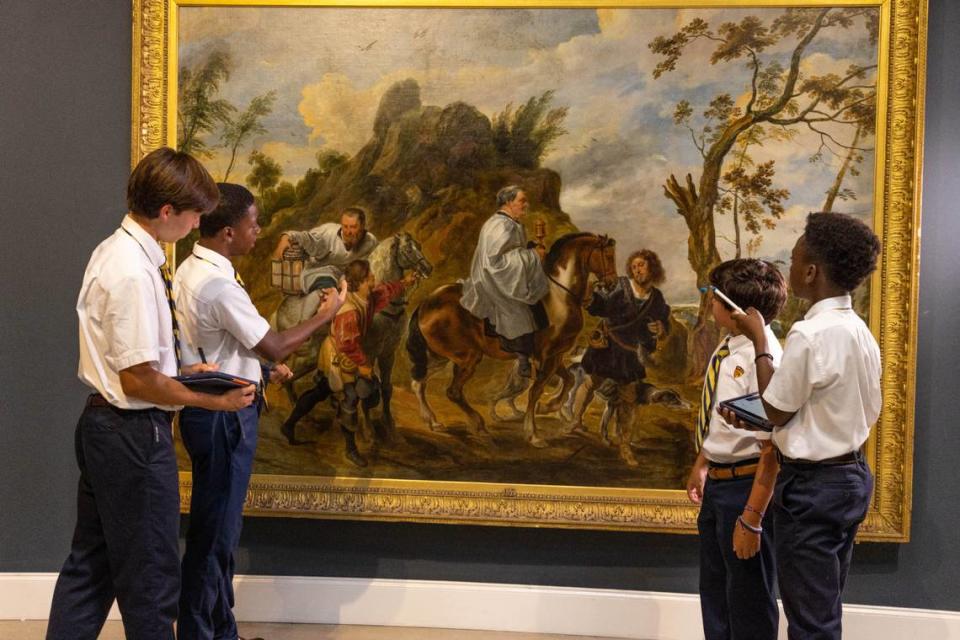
(507, 278)
(331, 247)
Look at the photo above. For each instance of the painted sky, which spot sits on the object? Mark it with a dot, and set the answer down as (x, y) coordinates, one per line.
(330, 66)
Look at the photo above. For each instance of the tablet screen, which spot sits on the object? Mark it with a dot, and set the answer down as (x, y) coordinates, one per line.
(750, 404)
(749, 408)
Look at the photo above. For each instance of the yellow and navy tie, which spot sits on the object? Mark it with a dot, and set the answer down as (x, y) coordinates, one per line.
(709, 391)
(168, 285)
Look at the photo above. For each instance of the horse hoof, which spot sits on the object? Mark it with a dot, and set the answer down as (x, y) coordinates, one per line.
(566, 413)
(626, 454)
(437, 427)
(537, 442)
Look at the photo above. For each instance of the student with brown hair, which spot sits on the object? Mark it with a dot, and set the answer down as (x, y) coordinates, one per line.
(733, 477)
(128, 502)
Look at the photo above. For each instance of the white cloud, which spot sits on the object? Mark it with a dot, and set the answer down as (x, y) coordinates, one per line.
(331, 66)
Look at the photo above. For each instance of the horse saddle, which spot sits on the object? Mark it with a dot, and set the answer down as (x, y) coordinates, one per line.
(540, 321)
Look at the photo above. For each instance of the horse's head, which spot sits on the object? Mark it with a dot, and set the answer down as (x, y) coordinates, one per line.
(602, 260)
(410, 255)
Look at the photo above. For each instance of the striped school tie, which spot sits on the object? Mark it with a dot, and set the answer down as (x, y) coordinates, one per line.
(709, 391)
(168, 285)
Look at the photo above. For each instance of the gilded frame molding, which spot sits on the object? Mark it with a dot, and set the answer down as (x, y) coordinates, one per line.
(893, 317)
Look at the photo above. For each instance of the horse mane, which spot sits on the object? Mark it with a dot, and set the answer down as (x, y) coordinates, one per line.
(380, 258)
(559, 246)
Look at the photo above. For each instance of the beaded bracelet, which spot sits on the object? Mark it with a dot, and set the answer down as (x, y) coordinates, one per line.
(747, 507)
(764, 355)
(743, 523)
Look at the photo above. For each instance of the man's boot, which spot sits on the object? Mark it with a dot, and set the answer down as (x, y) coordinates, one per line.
(350, 441)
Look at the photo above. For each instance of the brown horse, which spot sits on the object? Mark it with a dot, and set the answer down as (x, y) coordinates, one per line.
(441, 330)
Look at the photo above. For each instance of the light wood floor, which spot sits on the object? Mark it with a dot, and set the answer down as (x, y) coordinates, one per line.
(34, 630)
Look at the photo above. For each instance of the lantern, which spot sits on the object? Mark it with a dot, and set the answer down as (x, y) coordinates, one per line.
(285, 273)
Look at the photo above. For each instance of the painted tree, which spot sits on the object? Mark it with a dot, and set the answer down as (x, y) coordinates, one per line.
(199, 110)
(864, 113)
(747, 190)
(522, 137)
(265, 172)
(237, 131)
(778, 95)
(328, 161)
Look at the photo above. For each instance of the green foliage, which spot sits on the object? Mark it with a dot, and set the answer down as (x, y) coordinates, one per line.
(328, 162)
(265, 172)
(247, 124)
(274, 199)
(521, 138)
(199, 110)
(758, 202)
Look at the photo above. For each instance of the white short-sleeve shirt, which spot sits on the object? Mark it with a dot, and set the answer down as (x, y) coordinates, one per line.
(829, 376)
(217, 315)
(737, 377)
(124, 314)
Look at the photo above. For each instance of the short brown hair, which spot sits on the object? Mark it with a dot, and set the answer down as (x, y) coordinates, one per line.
(356, 274)
(654, 266)
(170, 177)
(751, 283)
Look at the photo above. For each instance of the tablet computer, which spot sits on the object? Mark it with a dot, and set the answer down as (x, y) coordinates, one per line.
(214, 382)
(749, 408)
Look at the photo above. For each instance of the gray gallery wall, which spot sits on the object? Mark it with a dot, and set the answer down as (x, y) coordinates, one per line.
(64, 142)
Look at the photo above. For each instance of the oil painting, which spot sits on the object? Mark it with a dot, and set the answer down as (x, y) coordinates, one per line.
(628, 150)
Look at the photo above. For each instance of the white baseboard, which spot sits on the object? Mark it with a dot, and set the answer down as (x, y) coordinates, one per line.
(492, 607)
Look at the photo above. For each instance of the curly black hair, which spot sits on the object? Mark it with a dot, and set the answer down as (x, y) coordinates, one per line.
(751, 283)
(845, 247)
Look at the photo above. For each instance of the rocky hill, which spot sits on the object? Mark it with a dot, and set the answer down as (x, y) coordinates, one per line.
(432, 171)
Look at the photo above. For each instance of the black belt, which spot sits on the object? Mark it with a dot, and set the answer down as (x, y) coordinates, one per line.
(732, 465)
(847, 458)
(97, 400)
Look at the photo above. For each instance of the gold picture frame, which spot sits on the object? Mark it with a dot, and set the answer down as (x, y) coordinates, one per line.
(899, 129)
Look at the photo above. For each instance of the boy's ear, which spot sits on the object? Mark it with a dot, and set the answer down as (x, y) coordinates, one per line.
(227, 232)
(165, 212)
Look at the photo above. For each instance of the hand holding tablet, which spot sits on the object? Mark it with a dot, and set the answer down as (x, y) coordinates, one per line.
(213, 382)
(749, 410)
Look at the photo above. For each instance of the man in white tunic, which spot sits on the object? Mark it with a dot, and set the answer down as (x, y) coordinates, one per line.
(506, 277)
(330, 248)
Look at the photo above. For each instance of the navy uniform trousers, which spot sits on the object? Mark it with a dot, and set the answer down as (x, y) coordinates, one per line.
(818, 510)
(221, 445)
(128, 518)
(737, 597)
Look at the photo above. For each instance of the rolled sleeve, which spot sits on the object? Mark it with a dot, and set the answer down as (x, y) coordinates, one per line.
(236, 314)
(130, 325)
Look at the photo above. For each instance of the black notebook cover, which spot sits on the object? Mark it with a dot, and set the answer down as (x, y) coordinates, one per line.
(213, 382)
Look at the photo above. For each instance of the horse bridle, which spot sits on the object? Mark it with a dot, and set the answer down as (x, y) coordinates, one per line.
(600, 246)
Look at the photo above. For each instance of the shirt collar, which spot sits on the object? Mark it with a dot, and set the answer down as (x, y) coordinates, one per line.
(736, 343)
(150, 246)
(507, 216)
(827, 304)
(209, 255)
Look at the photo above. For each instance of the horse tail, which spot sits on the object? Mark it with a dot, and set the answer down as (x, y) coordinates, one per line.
(417, 348)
